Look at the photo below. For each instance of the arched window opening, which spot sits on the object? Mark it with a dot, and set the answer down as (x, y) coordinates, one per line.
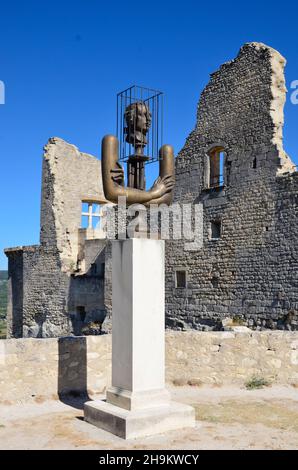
(216, 167)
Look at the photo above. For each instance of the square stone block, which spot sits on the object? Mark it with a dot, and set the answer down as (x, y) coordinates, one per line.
(139, 423)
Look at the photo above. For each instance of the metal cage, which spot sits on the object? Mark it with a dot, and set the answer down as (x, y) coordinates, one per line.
(152, 139)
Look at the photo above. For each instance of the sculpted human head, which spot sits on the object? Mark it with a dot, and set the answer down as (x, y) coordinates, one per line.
(138, 120)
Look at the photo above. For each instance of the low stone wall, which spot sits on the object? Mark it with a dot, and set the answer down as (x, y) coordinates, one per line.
(51, 368)
(226, 358)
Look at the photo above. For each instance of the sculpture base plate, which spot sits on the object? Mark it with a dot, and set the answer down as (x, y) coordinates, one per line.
(133, 401)
(139, 423)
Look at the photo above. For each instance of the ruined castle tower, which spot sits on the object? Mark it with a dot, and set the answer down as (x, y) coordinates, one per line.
(234, 164)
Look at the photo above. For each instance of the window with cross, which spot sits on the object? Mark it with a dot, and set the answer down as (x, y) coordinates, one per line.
(91, 215)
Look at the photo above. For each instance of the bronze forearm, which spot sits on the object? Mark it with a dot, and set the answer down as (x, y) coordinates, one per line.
(158, 194)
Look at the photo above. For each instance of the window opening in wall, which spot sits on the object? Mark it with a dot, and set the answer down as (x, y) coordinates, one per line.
(254, 163)
(102, 270)
(180, 279)
(91, 215)
(215, 229)
(93, 269)
(81, 313)
(216, 167)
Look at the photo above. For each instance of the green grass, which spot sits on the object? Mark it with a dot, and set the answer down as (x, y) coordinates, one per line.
(237, 321)
(256, 382)
(2, 329)
(274, 413)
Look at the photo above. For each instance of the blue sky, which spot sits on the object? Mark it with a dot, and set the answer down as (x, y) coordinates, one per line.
(63, 62)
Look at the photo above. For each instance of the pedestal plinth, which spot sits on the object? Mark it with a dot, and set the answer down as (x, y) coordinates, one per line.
(138, 404)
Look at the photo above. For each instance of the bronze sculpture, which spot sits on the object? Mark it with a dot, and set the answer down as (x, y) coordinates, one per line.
(138, 120)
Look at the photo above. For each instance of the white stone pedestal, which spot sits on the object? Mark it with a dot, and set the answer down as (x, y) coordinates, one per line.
(138, 404)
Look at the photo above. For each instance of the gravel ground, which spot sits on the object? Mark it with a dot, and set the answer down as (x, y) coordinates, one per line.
(227, 418)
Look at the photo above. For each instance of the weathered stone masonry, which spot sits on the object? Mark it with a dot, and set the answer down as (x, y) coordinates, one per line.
(83, 365)
(250, 272)
(57, 287)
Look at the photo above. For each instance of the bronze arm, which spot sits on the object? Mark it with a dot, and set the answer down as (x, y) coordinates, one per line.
(166, 167)
(113, 186)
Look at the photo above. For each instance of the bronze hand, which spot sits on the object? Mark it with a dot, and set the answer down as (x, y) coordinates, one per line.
(118, 174)
(113, 176)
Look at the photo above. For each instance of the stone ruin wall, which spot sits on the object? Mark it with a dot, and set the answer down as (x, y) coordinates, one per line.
(250, 273)
(69, 177)
(44, 285)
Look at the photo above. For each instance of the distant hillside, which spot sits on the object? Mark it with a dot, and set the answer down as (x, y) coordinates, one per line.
(3, 303)
(3, 294)
(3, 275)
